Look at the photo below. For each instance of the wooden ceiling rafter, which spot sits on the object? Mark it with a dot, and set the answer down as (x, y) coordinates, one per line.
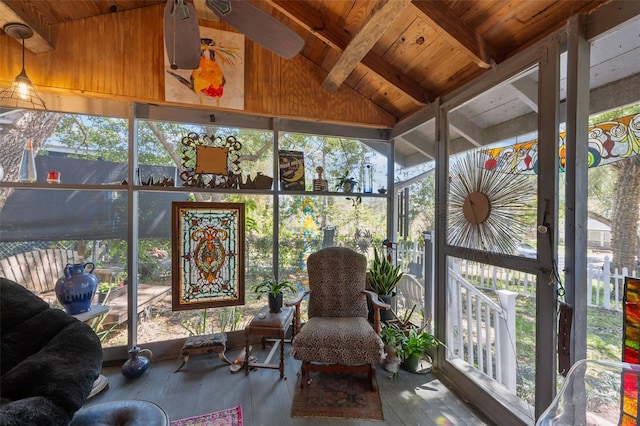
(337, 39)
(43, 39)
(379, 20)
(460, 35)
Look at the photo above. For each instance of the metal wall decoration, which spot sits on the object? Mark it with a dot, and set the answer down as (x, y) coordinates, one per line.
(210, 161)
(486, 208)
(208, 266)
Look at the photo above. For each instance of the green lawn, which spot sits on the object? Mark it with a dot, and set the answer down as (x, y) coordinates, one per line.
(604, 341)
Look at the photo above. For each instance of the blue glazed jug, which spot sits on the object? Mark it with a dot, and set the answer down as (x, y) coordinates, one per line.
(137, 364)
(75, 290)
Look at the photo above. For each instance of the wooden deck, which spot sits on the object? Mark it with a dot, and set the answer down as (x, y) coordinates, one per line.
(147, 295)
(205, 384)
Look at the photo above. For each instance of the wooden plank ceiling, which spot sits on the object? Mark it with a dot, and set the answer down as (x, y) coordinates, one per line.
(401, 54)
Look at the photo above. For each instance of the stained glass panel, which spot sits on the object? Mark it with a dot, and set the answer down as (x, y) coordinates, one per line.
(630, 351)
(208, 270)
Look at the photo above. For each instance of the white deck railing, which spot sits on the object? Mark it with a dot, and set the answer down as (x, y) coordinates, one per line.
(481, 331)
(604, 289)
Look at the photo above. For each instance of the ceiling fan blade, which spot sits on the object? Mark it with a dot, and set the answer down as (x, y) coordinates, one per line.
(258, 26)
(181, 35)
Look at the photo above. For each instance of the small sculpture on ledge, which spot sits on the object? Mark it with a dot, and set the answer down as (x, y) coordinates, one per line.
(261, 181)
(320, 184)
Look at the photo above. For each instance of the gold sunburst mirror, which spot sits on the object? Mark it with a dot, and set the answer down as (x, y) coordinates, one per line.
(488, 204)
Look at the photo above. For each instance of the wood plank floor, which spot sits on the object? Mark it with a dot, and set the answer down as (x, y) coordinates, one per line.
(205, 384)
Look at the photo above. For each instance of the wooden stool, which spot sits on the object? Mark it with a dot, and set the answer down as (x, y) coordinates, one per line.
(197, 345)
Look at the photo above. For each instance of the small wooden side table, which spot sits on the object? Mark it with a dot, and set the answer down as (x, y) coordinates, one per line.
(267, 324)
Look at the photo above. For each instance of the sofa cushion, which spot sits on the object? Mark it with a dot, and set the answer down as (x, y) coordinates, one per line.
(48, 360)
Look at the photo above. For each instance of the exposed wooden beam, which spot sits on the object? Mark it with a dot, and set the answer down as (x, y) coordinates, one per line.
(421, 143)
(451, 27)
(379, 20)
(43, 39)
(527, 90)
(466, 128)
(338, 39)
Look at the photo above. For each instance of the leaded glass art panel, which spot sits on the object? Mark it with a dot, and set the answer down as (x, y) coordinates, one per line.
(208, 262)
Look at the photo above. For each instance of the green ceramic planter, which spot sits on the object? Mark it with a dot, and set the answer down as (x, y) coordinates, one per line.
(411, 363)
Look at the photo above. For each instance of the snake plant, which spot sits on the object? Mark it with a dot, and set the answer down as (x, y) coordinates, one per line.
(383, 276)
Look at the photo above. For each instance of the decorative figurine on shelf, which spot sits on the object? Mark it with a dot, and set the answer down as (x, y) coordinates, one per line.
(367, 176)
(262, 181)
(27, 172)
(138, 363)
(346, 183)
(320, 184)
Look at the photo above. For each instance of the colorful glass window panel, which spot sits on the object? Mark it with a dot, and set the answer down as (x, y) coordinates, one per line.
(631, 351)
(209, 268)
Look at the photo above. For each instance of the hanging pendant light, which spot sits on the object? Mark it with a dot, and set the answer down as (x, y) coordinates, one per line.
(21, 93)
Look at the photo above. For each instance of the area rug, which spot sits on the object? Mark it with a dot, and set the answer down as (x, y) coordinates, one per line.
(228, 417)
(346, 396)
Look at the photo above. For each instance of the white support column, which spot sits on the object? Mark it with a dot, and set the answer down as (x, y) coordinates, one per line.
(507, 338)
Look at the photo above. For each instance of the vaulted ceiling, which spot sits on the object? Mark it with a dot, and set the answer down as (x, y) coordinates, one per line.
(403, 54)
(400, 54)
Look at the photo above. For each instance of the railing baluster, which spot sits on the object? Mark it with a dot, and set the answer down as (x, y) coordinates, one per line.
(488, 340)
(480, 339)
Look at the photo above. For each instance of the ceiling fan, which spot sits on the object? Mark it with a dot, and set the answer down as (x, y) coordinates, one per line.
(182, 35)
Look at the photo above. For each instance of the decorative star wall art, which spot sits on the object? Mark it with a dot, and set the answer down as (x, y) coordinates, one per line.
(486, 208)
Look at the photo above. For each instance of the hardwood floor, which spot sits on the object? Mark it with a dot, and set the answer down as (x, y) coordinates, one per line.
(205, 384)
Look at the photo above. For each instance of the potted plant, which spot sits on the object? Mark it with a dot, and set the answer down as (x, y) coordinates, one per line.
(414, 346)
(346, 183)
(383, 278)
(274, 289)
(392, 338)
(109, 291)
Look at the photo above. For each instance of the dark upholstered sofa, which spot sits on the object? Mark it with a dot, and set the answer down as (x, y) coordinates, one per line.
(48, 360)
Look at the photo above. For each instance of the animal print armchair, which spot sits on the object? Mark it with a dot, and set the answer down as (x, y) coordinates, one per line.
(337, 336)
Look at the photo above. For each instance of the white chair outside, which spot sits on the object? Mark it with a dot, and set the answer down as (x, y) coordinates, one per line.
(410, 294)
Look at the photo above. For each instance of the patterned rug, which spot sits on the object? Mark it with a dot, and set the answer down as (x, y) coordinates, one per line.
(346, 396)
(228, 417)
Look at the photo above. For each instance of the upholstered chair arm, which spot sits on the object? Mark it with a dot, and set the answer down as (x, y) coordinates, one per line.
(377, 305)
(296, 302)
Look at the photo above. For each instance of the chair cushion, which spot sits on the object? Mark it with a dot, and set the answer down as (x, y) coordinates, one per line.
(346, 341)
(337, 276)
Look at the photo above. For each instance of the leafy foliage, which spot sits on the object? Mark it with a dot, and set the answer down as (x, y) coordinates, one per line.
(383, 277)
(417, 343)
(273, 286)
(391, 336)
